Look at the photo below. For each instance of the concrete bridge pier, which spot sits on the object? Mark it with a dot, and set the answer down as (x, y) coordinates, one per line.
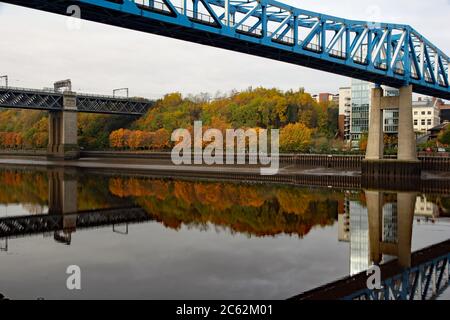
(374, 166)
(63, 200)
(63, 130)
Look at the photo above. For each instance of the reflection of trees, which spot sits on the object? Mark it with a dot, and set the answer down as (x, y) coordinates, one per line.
(252, 209)
(93, 194)
(23, 187)
(32, 189)
(445, 206)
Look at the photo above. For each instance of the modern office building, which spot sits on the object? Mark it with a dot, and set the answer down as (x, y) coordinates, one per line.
(427, 113)
(360, 110)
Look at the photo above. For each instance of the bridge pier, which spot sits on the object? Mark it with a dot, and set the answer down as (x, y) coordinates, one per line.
(63, 130)
(374, 167)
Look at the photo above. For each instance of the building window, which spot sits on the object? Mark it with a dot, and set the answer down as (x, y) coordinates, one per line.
(416, 122)
(429, 122)
(415, 113)
(429, 112)
(423, 113)
(423, 122)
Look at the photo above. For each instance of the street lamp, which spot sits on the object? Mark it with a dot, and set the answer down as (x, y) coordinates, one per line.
(120, 89)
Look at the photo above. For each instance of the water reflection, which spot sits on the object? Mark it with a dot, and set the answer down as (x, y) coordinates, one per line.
(59, 202)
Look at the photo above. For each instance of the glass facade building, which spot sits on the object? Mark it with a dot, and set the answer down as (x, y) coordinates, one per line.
(360, 111)
(361, 92)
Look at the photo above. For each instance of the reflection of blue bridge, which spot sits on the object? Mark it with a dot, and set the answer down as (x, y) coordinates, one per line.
(426, 279)
(390, 54)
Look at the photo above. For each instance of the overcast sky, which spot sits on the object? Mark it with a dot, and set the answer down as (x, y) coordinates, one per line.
(36, 49)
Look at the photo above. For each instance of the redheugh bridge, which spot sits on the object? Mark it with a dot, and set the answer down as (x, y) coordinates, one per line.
(389, 54)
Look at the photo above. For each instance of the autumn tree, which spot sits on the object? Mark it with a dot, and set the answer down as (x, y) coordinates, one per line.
(363, 142)
(295, 138)
(444, 137)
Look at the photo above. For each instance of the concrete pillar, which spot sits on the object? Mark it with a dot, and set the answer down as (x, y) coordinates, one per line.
(63, 130)
(375, 143)
(406, 202)
(374, 200)
(407, 150)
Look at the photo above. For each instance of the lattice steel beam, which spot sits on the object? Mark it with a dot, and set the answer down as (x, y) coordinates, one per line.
(94, 104)
(389, 54)
(424, 282)
(30, 99)
(14, 227)
(21, 98)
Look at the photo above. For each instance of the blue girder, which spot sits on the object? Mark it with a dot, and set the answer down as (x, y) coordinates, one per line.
(389, 54)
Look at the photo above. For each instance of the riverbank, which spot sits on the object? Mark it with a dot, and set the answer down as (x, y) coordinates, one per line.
(430, 162)
(432, 182)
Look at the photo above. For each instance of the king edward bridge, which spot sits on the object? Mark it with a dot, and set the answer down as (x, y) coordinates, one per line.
(394, 55)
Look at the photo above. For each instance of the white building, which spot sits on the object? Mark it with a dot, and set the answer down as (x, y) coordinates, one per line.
(345, 111)
(426, 114)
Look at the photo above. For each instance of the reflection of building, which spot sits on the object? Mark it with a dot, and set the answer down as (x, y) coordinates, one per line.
(379, 232)
(344, 222)
(425, 209)
(359, 238)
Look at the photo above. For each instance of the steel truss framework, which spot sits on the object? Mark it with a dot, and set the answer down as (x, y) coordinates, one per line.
(53, 101)
(30, 99)
(424, 282)
(16, 227)
(390, 54)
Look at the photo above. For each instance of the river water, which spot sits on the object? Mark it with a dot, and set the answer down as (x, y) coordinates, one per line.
(191, 239)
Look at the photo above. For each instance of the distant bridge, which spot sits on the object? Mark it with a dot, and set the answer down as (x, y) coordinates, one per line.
(390, 54)
(50, 100)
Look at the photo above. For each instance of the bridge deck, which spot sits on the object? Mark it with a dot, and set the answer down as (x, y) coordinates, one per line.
(24, 98)
(398, 55)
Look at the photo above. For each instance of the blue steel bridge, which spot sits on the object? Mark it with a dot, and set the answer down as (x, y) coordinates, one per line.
(388, 54)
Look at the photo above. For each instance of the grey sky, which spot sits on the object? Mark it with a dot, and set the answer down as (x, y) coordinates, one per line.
(37, 48)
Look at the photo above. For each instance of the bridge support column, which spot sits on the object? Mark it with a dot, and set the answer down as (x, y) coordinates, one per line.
(376, 171)
(407, 149)
(63, 130)
(375, 143)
